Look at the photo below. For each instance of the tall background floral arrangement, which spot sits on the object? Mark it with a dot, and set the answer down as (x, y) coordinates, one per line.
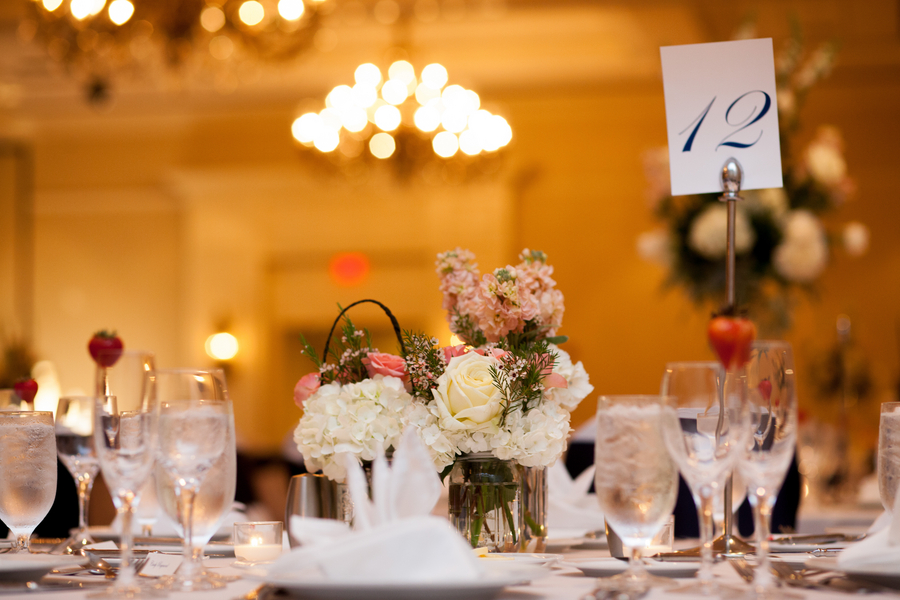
(781, 243)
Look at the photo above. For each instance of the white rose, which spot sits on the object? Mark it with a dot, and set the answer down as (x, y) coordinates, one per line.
(825, 163)
(466, 396)
(856, 238)
(803, 253)
(709, 232)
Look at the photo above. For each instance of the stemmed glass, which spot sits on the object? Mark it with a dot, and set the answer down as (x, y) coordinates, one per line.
(27, 472)
(705, 430)
(635, 478)
(772, 404)
(194, 416)
(124, 441)
(889, 454)
(75, 446)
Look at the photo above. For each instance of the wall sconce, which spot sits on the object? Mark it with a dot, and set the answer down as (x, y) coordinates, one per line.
(221, 346)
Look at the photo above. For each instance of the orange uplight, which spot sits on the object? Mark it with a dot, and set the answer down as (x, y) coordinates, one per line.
(349, 268)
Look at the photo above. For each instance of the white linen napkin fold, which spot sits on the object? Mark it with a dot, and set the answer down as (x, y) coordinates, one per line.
(878, 550)
(570, 505)
(394, 539)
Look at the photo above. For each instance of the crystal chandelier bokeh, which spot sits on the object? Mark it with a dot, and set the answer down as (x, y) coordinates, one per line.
(401, 115)
(100, 39)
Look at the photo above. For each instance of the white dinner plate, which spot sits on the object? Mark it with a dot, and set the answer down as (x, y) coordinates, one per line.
(26, 567)
(887, 575)
(604, 567)
(313, 587)
(808, 543)
(523, 558)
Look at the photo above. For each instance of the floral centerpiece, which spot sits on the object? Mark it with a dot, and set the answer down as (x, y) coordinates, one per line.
(781, 243)
(354, 404)
(499, 401)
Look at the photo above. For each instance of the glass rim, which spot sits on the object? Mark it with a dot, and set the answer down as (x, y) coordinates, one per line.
(773, 343)
(889, 404)
(697, 363)
(187, 370)
(25, 413)
(255, 523)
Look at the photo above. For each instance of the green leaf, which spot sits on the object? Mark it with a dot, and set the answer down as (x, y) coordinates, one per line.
(558, 339)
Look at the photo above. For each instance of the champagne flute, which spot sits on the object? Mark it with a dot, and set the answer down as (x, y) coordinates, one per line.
(27, 472)
(194, 416)
(75, 446)
(124, 441)
(128, 379)
(705, 430)
(635, 478)
(889, 454)
(772, 396)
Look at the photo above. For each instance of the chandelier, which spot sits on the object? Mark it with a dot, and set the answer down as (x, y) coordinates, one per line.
(403, 117)
(98, 39)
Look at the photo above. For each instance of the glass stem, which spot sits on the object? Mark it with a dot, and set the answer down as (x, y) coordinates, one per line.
(85, 483)
(636, 570)
(188, 566)
(762, 514)
(706, 535)
(126, 514)
(23, 542)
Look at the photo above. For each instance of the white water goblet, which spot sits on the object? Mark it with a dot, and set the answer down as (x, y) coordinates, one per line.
(705, 430)
(772, 403)
(75, 446)
(889, 454)
(27, 472)
(124, 442)
(635, 478)
(194, 416)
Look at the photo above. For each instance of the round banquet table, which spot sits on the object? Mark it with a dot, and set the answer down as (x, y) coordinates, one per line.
(561, 583)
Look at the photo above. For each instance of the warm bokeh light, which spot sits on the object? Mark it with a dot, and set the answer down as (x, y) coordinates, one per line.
(221, 47)
(427, 118)
(445, 144)
(353, 118)
(348, 268)
(339, 97)
(221, 346)
(81, 9)
(394, 91)
(51, 5)
(251, 12)
(402, 71)
(367, 74)
(425, 93)
(364, 95)
(212, 19)
(291, 10)
(454, 120)
(331, 118)
(120, 11)
(434, 76)
(327, 139)
(469, 142)
(304, 128)
(387, 117)
(382, 145)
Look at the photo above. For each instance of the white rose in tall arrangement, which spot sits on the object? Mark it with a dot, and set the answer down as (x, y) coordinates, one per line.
(579, 384)
(708, 236)
(357, 418)
(803, 252)
(466, 396)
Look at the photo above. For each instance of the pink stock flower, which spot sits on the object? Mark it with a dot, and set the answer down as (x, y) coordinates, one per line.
(389, 365)
(451, 351)
(305, 388)
(459, 277)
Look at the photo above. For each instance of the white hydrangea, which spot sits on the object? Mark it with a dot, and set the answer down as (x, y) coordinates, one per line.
(856, 238)
(771, 200)
(357, 418)
(534, 439)
(441, 443)
(803, 252)
(656, 247)
(579, 382)
(825, 163)
(708, 236)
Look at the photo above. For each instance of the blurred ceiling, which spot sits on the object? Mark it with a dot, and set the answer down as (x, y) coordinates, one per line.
(497, 47)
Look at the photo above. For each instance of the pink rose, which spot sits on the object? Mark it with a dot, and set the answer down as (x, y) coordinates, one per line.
(389, 365)
(305, 388)
(555, 380)
(451, 351)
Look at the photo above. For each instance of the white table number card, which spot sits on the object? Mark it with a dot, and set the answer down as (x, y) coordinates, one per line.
(721, 103)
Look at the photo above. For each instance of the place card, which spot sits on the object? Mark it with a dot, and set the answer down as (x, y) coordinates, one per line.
(721, 103)
(160, 565)
(107, 545)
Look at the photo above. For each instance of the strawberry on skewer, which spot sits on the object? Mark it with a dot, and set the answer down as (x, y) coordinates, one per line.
(731, 338)
(26, 390)
(105, 347)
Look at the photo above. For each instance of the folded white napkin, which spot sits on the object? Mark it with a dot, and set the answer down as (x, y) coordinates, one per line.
(570, 505)
(878, 550)
(394, 539)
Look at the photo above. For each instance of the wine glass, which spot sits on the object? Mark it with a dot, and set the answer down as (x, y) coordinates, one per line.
(75, 446)
(146, 512)
(124, 442)
(705, 430)
(212, 502)
(194, 416)
(889, 454)
(128, 379)
(27, 472)
(772, 396)
(635, 478)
